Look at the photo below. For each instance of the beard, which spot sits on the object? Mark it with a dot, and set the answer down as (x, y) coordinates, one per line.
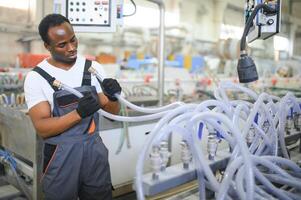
(63, 59)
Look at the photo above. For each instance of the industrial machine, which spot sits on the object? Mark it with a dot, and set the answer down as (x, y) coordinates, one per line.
(267, 19)
(91, 15)
(222, 143)
(266, 23)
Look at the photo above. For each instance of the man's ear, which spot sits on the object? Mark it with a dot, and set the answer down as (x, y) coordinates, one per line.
(47, 46)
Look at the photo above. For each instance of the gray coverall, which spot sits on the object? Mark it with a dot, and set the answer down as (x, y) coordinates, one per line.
(76, 161)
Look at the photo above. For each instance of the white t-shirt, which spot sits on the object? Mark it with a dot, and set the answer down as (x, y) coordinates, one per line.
(37, 89)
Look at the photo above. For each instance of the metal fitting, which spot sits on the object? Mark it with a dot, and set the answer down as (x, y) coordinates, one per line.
(266, 126)
(156, 162)
(211, 146)
(250, 136)
(164, 154)
(297, 121)
(289, 125)
(186, 156)
(57, 84)
(92, 70)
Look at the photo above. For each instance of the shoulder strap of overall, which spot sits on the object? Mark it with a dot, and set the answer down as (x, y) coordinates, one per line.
(46, 76)
(87, 75)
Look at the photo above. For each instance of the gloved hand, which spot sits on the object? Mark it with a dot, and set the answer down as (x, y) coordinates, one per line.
(110, 87)
(87, 105)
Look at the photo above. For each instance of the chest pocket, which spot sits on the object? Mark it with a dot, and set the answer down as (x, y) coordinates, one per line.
(65, 102)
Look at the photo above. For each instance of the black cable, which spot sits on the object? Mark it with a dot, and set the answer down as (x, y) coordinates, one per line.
(250, 21)
(135, 9)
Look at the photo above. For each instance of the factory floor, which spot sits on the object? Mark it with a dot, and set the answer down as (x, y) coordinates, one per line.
(129, 196)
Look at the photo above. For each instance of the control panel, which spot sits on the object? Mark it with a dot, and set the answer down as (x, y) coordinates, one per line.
(265, 24)
(89, 15)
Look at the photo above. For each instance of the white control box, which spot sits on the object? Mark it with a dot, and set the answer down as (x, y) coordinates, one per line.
(264, 25)
(89, 15)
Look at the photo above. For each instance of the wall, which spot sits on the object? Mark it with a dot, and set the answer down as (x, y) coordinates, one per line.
(13, 24)
(202, 18)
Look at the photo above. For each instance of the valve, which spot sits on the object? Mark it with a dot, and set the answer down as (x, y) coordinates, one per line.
(156, 161)
(289, 125)
(250, 136)
(212, 146)
(164, 154)
(186, 156)
(265, 126)
(297, 121)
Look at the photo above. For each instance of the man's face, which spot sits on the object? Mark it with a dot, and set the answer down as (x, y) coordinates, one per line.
(62, 43)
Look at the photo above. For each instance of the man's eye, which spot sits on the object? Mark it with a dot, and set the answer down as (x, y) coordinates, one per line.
(61, 45)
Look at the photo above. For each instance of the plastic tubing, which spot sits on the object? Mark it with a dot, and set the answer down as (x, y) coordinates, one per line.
(260, 194)
(133, 106)
(148, 110)
(264, 195)
(141, 118)
(250, 120)
(251, 94)
(272, 130)
(240, 184)
(123, 133)
(263, 135)
(288, 163)
(259, 103)
(117, 117)
(268, 164)
(71, 90)
(239, 139)
(237, 111)
(220, 95)
(201, 156)
(202, 190)
(236, 121)
(201, 163)
(214, 103)
(270, 186)
(167, 130)
(204, 107)
(229, 85)
(146, 148)
(285, 179)
(282, 118)
(218, 127)
(228, 174)
(281, 127)
(279, 179)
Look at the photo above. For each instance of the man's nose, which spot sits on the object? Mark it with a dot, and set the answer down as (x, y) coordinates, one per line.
(71, 47)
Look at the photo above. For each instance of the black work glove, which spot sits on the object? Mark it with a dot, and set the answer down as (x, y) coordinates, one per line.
(87, 105)
(110, 87)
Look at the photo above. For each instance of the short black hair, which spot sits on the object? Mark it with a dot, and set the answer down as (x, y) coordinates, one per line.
(49, 21)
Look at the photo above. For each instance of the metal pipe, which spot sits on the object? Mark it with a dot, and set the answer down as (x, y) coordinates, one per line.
(161, 55)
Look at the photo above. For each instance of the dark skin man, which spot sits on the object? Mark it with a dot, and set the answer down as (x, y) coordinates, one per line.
(63, 49)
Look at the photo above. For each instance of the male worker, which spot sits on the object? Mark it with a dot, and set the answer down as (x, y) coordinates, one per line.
(75, 159)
